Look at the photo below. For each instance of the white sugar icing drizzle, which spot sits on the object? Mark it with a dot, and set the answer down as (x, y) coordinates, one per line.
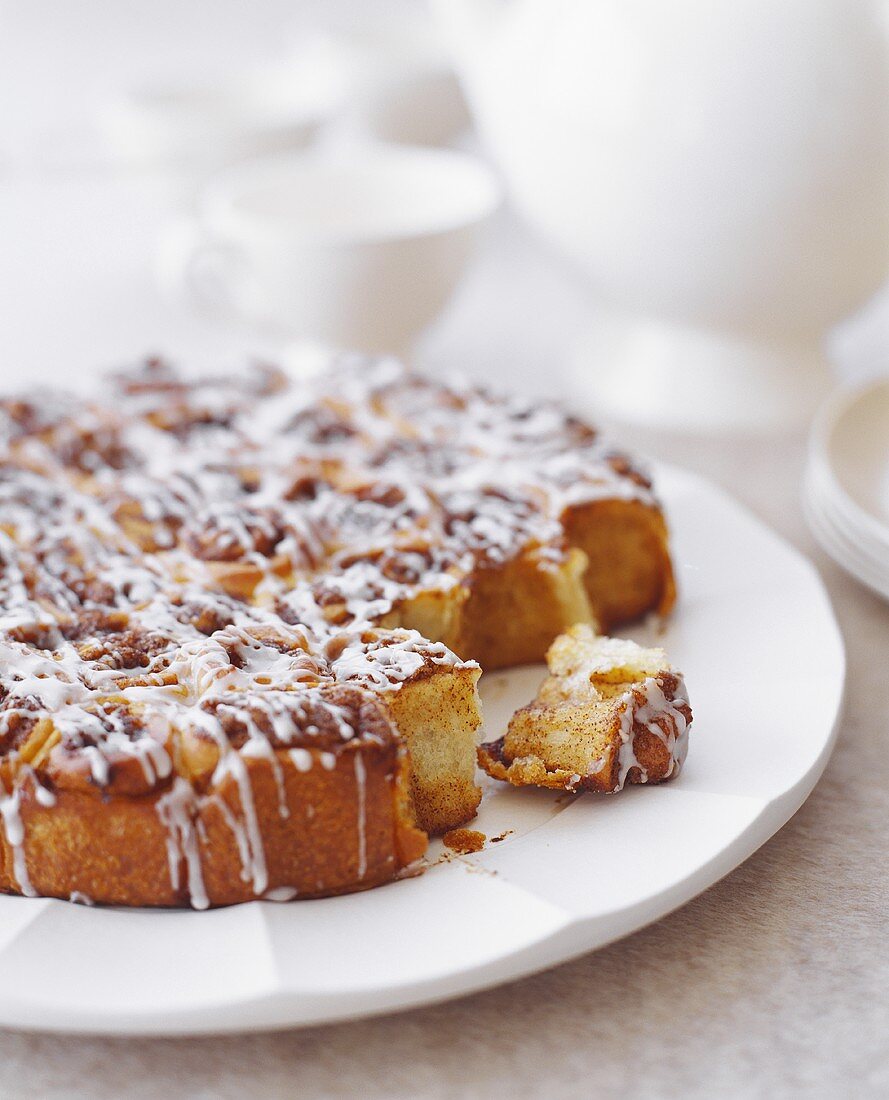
(217, 555)
(301, 759)
(14, 831)
(361, 784)
(280, 893)
(177, 810)
(12, 822)
(653, 712)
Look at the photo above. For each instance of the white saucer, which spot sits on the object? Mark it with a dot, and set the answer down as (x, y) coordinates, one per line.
(840, 543)
(857, 447)
(756, 637)
(846, 487)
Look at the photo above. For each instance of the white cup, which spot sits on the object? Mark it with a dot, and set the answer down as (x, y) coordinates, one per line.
(210, 123)
(357, 249)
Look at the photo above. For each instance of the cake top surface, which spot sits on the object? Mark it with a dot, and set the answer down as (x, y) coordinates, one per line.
(229, 553)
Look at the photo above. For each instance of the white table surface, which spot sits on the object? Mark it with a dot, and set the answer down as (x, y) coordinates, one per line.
(772, 983)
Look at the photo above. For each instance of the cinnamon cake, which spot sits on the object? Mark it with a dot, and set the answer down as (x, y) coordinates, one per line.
(609, 713)
(242, 619)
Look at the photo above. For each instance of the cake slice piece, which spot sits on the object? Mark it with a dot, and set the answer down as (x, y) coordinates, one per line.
(609, 713)
(432, 698)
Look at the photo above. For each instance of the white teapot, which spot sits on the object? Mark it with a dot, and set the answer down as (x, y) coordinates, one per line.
(719, 168)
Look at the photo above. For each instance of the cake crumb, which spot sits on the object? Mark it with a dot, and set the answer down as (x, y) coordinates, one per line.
(502, 836)
(464, 840)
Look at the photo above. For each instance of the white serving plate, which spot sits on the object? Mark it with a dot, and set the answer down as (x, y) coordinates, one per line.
(764, 662)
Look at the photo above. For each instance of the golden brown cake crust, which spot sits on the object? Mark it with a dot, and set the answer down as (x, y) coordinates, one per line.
(240, 619)
(119, 850)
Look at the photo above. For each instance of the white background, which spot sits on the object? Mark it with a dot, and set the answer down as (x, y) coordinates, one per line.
(78, 236)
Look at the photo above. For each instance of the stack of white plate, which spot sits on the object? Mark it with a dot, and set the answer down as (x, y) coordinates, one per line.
(846, 488)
